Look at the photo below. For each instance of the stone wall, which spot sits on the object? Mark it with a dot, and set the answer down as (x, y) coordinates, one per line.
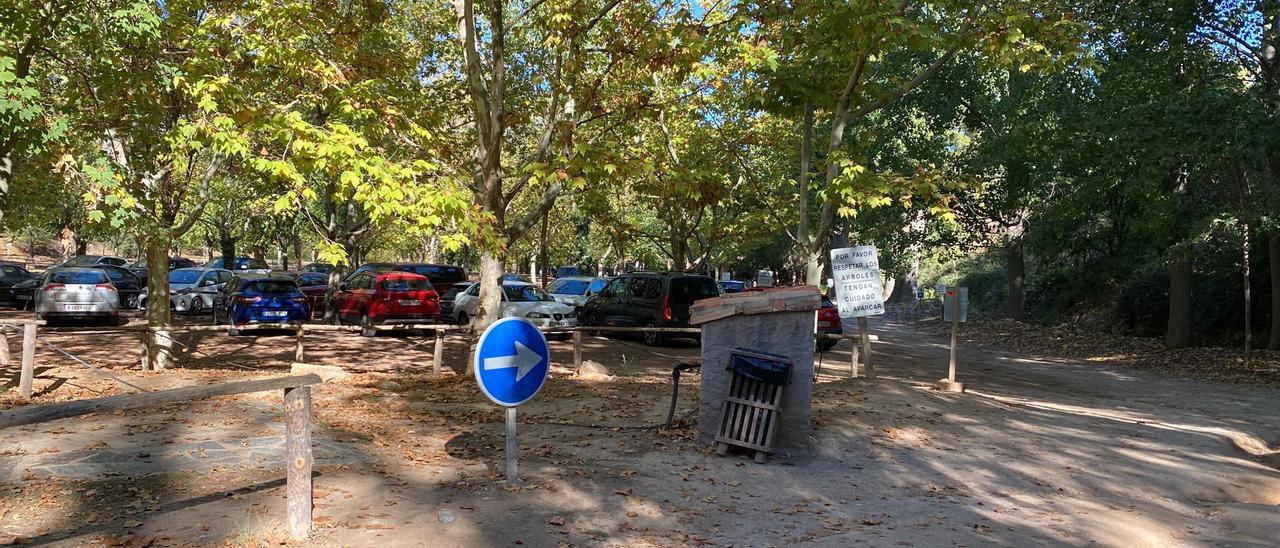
(787, 333)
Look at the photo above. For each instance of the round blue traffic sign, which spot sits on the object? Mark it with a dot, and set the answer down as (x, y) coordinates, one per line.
(512, 361)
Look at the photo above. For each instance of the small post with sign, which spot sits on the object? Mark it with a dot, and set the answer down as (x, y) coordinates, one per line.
(511, 364)
(859, 293)
(955, 307)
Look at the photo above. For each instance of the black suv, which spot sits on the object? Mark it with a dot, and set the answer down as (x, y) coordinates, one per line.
(648, 299)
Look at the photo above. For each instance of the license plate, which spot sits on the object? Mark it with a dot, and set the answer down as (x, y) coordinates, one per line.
(410, 302)
(24, 297)
(824, 324)
(77, 307)
(275, 313)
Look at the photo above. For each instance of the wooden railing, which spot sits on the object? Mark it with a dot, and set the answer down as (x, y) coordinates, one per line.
(297, 431)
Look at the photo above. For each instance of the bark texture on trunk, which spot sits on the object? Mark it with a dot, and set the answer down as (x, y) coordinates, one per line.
(159, 345)
(1017, 272)
(1273, 250)
(1178, 334)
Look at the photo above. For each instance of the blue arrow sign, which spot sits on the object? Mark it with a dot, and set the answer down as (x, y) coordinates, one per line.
(512, 361)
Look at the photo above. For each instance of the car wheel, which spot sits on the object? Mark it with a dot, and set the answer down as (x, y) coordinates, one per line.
(592, 320)
(366, 325)
(825, 345)
(463, 320)
(652, 338)
(232, 330)
(196, 307)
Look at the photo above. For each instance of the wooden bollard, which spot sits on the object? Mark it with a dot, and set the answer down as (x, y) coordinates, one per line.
(5, 358)
(297, 351)
(865, 339)
(437, 358)
(298, 460)
(577, 350)
(28, 360)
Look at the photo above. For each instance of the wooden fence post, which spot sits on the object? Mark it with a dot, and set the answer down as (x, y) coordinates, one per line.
(297, 352)
(865, 335)
(28, 360)
(853, 358)
(298, 460)
(437, 358)
(146, 364)
(5, 358)
(577, 349)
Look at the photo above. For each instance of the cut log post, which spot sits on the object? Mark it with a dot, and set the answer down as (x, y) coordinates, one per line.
(298, 460)
(853, 359)
(146, 364)
(437, 358)
(577, 350)
(28, 360)
(5, 358)
(297, 351)
(865, 336)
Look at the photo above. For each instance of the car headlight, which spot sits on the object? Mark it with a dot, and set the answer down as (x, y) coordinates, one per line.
(538, 315)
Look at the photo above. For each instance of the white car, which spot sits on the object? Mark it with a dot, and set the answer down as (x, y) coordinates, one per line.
(191, 290)
(575, 290)
(521, 300)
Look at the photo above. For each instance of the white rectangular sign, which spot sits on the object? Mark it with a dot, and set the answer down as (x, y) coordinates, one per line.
(764, 278)
(859, 291)
(948, 303)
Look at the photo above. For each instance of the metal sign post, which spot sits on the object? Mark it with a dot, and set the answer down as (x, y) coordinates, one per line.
(955, 305)
(511, 364)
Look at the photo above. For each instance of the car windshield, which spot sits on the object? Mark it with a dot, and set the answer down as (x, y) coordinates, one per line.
(687, 290)
(826, 303)
(140, 263)
(78, 277)
(406, 284)
(83, 259)
(568, 287)
(184, 276)
(270, 287)
(246, 263)
(525, 294)
(313, 279)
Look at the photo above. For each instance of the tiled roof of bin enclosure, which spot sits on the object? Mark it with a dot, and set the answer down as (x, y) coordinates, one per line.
(779, 299)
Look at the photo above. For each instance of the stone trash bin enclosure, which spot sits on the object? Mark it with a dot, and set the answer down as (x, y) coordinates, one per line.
(778, 321)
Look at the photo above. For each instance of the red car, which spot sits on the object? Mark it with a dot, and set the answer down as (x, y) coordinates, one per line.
(372, 298)
(828, 322)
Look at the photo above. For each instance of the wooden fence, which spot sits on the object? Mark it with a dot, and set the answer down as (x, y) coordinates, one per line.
(297, 430)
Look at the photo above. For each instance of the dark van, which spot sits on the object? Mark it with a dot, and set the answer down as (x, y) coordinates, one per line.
(648, 299)
(442, 276)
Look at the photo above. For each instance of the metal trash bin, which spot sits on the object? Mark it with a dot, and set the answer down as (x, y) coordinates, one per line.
(749, 414)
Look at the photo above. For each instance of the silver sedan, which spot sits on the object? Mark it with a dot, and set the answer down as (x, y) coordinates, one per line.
(77, 293)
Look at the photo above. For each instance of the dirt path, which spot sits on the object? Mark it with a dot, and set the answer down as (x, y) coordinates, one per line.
(1037, 452)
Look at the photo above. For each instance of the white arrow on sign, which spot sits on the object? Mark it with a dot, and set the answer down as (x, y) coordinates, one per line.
(524, 361)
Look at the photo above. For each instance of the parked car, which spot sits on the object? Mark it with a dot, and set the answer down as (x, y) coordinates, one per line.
(575, 290)
(10, 275)
(567, 271)
(442, 276)
(648, 299)
(372, 298)
(369, 267)
(91, 260)
(139, 267)
(447, 299)
(829, 323)
(244, 265)
(22, 294)
(128, 286)
(315, 285)
(732, 286)
(77, 293)
(193, 290)
(521, 300)
(247, 300)
(322, 268)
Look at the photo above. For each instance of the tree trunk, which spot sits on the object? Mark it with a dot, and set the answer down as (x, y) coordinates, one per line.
(491, 270)
(1017, 271)
(1178, 334)
(1248, 294)
(159, 345)
(1273, 250)
(227, 245)
(813, 268)
(543, 254)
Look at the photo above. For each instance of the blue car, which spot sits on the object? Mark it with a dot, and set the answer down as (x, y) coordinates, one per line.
(254, 300)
